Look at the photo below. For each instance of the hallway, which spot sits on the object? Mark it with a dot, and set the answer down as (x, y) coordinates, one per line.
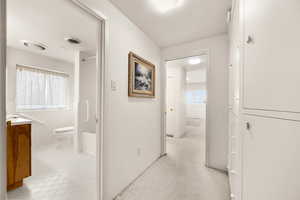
(181, 175)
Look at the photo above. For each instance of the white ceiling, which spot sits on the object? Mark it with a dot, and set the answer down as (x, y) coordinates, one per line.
(49, 22)
(193, 19)
(184, 62)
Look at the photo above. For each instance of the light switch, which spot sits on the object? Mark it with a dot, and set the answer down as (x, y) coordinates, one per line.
(113, 85)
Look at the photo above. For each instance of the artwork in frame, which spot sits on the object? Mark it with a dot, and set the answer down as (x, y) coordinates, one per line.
(141, 80)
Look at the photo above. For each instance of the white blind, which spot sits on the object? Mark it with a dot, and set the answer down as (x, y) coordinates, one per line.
(41, 89)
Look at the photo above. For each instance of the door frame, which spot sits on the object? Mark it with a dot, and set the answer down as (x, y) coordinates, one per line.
(102, 57)
(2, 99)
(164, 98)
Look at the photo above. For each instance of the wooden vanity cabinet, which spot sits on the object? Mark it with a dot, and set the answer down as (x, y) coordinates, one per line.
(18, 154)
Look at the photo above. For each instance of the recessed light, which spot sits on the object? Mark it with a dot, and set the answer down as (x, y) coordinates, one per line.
(34, 45)
(73, 40)
(194, 61)
(164, 6)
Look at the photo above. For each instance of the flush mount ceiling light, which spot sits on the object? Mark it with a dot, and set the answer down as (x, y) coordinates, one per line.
(73, 40)
(164, 6)
(194, 61)
(34, 45)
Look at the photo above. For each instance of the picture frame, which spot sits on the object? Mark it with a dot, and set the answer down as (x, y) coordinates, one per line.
(141, 77)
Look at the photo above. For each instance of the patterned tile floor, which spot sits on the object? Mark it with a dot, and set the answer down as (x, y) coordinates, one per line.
(59, 174)
(181, 175)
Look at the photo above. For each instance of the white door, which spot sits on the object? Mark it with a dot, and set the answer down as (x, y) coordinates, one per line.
(171, 103)
(271, 160)
(271, 69)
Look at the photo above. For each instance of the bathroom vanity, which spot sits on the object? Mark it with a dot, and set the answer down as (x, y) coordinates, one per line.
(18, 151)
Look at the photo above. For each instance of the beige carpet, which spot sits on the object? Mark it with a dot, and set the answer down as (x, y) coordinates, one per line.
(181, 175)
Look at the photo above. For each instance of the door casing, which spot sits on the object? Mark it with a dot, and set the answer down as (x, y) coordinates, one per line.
(164, 98)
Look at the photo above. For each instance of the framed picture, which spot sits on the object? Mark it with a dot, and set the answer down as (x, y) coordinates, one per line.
(141, 78)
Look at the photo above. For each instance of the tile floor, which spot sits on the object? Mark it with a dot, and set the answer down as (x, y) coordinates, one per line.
(181, 175)
(59, 174)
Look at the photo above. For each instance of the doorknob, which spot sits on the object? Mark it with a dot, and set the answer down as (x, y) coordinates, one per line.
(171, 109)
(248, 126)
(250, 39)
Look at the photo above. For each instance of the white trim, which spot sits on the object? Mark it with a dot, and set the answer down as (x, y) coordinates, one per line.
(207, 147)
(96, 14)
(76, 100)
(2, 100)
(163, 108)
(42, 69)
(164, 103)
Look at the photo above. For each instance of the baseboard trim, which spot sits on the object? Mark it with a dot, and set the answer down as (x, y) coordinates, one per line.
(117, 197)
(162, 155)
(220, 170)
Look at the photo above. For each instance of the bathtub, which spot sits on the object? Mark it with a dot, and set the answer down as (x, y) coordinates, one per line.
(89, 143)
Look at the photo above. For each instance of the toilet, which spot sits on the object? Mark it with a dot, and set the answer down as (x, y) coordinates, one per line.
(64, 136)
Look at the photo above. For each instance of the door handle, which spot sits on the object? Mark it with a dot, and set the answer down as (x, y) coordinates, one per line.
(248, 126)
(249, 39)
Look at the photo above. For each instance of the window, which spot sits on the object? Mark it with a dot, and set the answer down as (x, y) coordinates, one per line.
(41, 89)
(195, 96)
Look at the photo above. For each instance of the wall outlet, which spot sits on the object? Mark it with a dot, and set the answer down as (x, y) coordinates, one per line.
(118, 197)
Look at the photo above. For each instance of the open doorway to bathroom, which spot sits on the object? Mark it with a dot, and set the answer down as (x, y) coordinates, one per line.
(186, 97)
(52, 101)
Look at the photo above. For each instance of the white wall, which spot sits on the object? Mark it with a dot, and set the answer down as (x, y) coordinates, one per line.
(41, 133)
(88, 93)
(196, 76)
(196, 80)
(132, 125)
(217, 113)
(195, 110)
(176, 76)
(85, 80)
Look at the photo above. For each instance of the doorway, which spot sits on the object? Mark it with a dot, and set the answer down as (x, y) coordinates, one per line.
(186, 99)
(44, 57)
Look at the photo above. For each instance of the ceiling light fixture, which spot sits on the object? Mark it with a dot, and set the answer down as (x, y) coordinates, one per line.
(34, 45)
(164, 6)
(194, 61)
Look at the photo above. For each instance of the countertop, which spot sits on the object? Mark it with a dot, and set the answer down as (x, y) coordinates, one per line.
(19, 121)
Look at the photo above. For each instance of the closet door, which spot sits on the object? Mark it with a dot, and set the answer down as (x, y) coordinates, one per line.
(271, 160)
(272, 61)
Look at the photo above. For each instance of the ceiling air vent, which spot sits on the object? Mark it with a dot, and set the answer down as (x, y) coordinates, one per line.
(73, 40)
(34, 45)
